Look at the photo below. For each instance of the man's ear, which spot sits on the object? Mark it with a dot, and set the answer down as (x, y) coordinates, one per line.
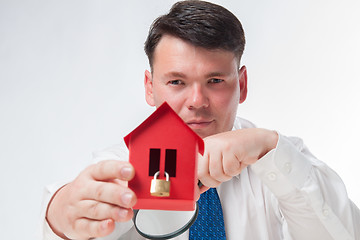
(148, 84)
(243, 84)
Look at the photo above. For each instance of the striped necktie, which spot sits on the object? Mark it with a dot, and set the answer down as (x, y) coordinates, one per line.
(210, 221)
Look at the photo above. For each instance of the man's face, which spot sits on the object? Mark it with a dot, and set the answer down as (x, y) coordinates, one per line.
(204, 87)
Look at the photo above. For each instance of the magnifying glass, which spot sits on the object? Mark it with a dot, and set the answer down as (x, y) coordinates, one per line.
(163, 224)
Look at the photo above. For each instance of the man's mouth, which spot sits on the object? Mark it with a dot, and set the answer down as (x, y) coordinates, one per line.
(199, 124)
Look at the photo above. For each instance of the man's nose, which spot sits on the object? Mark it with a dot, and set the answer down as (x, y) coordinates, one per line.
(198, 97)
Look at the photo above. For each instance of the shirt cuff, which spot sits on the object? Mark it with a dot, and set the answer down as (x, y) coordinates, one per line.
(45, 230)
(283, 169)
(48, 234)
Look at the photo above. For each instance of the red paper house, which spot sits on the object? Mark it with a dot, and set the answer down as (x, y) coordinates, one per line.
(163, 142)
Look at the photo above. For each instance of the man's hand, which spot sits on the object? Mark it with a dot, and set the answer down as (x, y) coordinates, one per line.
(90, 205)
(227, 154)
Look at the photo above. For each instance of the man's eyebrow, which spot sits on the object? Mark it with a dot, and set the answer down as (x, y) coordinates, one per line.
(216, 74)
(175, 74)
(182, 75)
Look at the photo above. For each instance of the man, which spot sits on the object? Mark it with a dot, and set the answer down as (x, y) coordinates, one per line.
(270, 186)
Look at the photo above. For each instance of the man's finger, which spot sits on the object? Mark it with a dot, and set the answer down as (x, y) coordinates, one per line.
(99, 211)
(203, 171)
(203, 189)
(88, 228)
(231, 164)
(112, 169)
(216, 169)
(112, 193)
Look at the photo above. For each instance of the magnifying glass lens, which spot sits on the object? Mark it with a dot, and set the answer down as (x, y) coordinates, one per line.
(160, 224)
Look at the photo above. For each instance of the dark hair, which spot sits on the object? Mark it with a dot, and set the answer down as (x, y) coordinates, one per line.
(200, 23)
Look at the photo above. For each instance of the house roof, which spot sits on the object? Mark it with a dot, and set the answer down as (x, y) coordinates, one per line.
(164, 108)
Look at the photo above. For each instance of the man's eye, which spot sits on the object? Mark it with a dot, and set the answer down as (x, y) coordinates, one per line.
(215, 80)
(175, 82)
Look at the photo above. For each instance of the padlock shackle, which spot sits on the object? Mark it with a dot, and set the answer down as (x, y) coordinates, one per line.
(166, 175)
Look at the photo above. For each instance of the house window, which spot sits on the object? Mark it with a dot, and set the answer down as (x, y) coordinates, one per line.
(170, 162)
(154, 161)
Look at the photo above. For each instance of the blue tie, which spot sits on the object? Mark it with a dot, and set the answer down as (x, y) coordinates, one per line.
(210, 221)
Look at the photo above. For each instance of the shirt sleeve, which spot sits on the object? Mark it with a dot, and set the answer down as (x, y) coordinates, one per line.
(312, 197)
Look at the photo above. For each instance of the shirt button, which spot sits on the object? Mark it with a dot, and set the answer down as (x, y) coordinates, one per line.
(272, 176)
(287, 167)
(326, 213)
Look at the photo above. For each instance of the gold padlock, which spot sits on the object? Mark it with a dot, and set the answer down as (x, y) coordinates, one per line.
(160, 187)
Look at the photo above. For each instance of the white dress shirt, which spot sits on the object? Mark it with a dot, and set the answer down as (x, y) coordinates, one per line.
(287, 194)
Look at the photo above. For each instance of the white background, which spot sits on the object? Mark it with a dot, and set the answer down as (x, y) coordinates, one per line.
(71, 82)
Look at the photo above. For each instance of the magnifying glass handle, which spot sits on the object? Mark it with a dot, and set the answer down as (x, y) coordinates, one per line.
(135, 213)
